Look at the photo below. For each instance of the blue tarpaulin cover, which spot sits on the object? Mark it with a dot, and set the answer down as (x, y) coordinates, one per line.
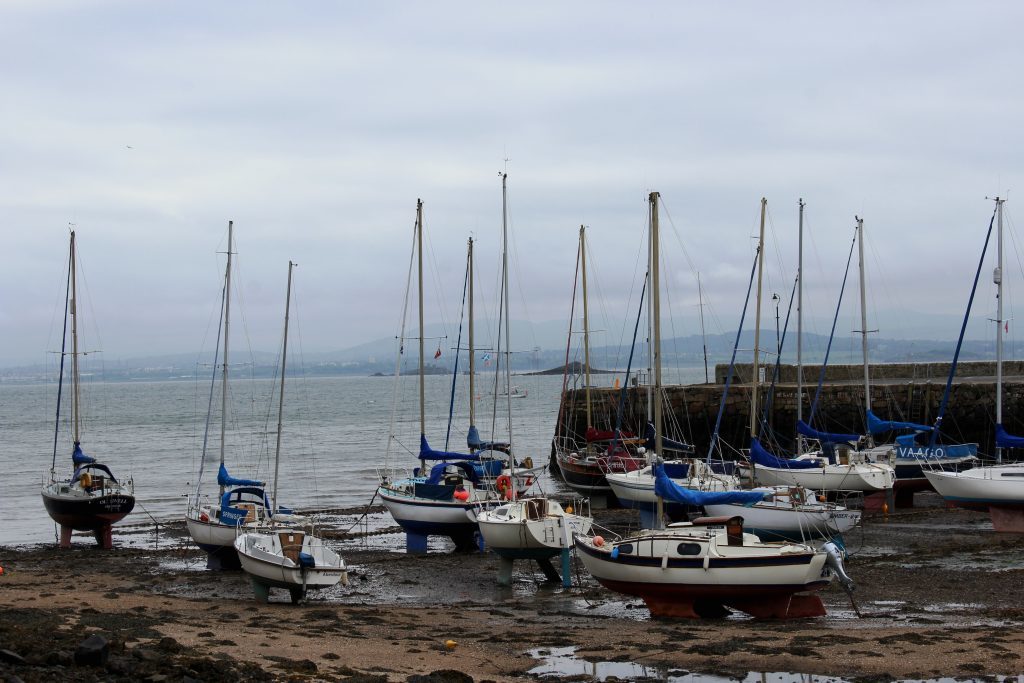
(225, 479)
(475, 443)
(437, 472)
(671, 491)
(759, 456)
(876, 425)
(824, 437)
(1005, 440)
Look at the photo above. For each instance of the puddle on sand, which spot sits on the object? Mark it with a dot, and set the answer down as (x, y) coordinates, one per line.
(562, 662)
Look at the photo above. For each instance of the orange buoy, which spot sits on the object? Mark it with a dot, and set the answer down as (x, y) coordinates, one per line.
(450, 644)
(1, 571)
(461, 494)
(598, 541)
(568, 509)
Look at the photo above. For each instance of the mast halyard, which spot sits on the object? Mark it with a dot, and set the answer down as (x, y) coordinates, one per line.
(800, 328)
(997, 277)
(224, 367)
(75, 377)
(419, 257)
(504, 286)
(655, 313)
(755, 374)
(280, 401)
(472, 361)
(703, 334)
(586, 326)
(864, 323)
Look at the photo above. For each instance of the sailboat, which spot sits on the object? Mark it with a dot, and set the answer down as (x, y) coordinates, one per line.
(998, 488)
(533, 527)
(92, 499)
(583, 466)
(844, 468)
(287, 556)
(704, 568)
(214, 524)
(444, 501)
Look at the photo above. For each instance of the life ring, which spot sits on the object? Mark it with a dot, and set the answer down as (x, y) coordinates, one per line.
(503, 484)
(85, 480)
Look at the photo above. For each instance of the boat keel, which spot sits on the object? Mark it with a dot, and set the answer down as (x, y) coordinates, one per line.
(778, 607)
(1007, 520)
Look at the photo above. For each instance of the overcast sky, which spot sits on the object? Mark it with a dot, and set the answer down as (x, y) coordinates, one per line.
(315, 126)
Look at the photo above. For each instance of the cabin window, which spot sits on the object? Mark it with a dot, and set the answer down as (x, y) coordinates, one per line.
(688, 549)
(626, 548)
(501, 512)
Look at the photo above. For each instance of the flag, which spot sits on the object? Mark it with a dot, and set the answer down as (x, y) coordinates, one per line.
(486, 357)
(438, 354)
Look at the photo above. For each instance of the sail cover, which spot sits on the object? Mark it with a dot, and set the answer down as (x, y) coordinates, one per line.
(671, 491)
(759, 456)
(428, 453)
(80, 458)
(475, 443)
(1005, 440)
(666, 443)
(876, 425)
(825, 437)
(225, 479)
(438, 471)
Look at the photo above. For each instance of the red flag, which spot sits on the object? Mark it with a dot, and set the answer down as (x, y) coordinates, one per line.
(438, 354)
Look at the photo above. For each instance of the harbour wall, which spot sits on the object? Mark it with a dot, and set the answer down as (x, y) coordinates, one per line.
(905, 392)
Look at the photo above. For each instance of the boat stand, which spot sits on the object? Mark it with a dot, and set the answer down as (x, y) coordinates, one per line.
(506, 566)
(261, 592)
(104, 537)
(1007, 520)
(416, 544)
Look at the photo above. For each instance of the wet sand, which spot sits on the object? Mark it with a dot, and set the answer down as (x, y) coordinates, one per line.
(939, 594)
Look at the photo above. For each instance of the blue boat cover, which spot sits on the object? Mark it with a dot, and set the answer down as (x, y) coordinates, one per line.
(80, 458)
(1005, 440)
(438, 470)
(666, 443)
(876, 425)
(233, 516)
(428, 453)
(475, 443)
(824, 437)
(92, 465)
(673, 492)
(225, 479)
(759, 456)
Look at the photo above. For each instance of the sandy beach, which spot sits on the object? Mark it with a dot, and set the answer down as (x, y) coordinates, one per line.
(939, 594)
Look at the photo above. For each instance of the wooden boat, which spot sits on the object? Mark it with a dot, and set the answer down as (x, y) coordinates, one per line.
(705, 568)
(92, 499)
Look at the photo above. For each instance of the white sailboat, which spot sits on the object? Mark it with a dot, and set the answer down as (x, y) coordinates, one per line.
(535, 527)
(92, 499)
(998, 488)
(279, 556)
(848, 470)
(443, 501)
(213, 524)
(704, 568)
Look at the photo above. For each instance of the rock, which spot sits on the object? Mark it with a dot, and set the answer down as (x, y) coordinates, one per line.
(93, 651)
(441, 676)
(145, 654)
(11, 657)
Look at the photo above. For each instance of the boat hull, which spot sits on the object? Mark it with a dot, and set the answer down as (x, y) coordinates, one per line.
(982, 487)
(777, 522)
(863, 477)
(427, 517)
(583, 474)
(87, 513)
(763, 583)
(517, 532)
(265, 559)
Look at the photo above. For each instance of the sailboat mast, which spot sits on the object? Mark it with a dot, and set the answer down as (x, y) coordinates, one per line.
(650, 330)
(419, 259)
(224, 367)
(655, 313)
(800, 326)
(504, 286)
(280, 401)
(586, 325)
(75, 377)
(997, 277)
(472, 361)
(864, 320)
(757, 325)
(703, 335)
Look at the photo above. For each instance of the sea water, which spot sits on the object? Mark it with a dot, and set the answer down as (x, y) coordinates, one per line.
(334, 437)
